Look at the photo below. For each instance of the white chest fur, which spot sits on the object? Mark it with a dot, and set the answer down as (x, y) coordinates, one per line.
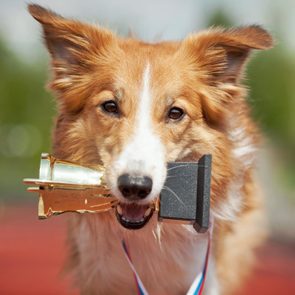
(166, 256)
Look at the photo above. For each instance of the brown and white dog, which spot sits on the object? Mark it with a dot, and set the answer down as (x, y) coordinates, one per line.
(133, 106)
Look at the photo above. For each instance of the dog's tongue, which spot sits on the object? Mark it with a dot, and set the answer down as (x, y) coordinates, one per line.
(133, 212)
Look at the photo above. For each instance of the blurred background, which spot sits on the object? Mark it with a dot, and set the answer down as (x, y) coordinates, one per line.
(27, 111)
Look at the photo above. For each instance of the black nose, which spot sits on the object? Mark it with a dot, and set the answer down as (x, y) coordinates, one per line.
(135, 187)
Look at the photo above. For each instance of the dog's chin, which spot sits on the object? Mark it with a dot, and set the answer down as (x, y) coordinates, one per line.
(133, 215)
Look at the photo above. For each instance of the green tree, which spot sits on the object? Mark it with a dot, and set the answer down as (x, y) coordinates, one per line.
(270, 78)
(26, 112)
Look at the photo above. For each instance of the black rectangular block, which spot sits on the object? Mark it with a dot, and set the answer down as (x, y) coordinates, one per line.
(186, 193)
(178, 197)
(203, 194)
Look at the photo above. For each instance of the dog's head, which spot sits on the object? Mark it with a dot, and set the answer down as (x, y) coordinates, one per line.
(133, 106)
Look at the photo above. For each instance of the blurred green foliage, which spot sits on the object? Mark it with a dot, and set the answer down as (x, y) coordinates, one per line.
(272, 95)
(27, 111)
(270, 79)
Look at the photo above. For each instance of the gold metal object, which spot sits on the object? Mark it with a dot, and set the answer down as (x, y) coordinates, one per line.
(64, 187)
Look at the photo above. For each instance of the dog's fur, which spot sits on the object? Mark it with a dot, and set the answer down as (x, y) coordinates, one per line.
(200, 74)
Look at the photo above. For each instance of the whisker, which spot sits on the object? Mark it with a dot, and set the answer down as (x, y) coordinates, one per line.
(171, 176)
(186, 165)
(176, 167)
(158, 233)
(174, 176)
(174, 194)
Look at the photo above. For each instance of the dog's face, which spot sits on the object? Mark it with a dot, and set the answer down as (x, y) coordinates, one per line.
(133, 106)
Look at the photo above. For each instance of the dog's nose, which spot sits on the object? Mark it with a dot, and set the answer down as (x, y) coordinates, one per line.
(135, 187)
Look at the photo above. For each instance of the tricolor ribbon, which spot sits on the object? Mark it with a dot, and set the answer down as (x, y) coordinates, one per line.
(140, 287)
(198, 284)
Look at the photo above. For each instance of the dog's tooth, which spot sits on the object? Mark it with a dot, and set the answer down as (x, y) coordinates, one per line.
(147, 212)
(119, 209)
(132, 221)
(125, 219)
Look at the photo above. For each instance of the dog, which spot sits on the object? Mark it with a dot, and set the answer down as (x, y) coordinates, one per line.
(134, 106)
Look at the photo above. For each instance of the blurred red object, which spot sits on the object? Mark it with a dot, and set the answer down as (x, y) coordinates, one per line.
(32, 253)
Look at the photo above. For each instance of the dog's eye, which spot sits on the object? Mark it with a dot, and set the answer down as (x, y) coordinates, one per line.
(111, 107)
(176, 113)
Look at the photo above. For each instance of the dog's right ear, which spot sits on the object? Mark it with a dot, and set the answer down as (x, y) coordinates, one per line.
(70, 41)
(76, 50)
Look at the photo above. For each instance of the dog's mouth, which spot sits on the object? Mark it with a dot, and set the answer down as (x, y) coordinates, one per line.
(133, 216)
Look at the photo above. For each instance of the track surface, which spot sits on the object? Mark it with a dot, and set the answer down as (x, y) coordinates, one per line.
(32, 253)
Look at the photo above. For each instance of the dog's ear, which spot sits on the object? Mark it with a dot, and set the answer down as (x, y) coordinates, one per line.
(77, 49)
(221, 54)
(69, 40)
(217, 57)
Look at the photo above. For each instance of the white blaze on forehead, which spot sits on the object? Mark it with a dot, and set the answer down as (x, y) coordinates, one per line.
(143, 154)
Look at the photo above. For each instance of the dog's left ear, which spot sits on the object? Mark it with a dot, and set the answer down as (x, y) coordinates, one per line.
(217, 58)
(221, 54)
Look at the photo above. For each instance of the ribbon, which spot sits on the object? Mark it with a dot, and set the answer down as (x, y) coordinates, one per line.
(198, 284)
(140, 287)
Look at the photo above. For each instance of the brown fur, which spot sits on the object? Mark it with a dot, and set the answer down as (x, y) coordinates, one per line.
(202, 75)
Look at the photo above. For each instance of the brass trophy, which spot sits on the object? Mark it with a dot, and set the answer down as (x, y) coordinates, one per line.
(64, 186)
